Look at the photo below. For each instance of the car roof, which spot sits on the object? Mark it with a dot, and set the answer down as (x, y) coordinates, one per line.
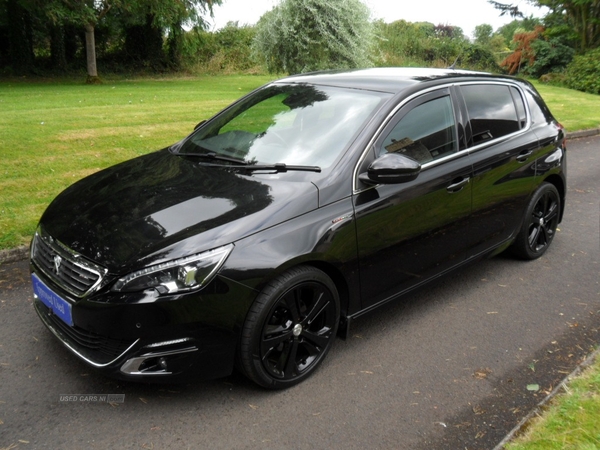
(390, 79)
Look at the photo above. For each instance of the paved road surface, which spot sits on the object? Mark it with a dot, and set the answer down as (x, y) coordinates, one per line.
(446, 368)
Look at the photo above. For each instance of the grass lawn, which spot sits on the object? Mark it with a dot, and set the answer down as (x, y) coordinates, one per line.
(572, 420)
(54, 133)
(573, 109)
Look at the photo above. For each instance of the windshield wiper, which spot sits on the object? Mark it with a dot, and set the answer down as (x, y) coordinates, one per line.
(241, 164)
(215, 156)
(279, 167)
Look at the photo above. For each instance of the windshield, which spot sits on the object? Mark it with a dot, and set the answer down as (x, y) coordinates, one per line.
(290, 124)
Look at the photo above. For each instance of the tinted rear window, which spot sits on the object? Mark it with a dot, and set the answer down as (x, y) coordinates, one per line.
(492, 112)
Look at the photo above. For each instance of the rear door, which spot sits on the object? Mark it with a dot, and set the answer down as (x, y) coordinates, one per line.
(503, 155)
(410, 232)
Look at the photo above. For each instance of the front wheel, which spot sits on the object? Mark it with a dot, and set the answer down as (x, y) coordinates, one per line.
(290, 328)
(540, 223)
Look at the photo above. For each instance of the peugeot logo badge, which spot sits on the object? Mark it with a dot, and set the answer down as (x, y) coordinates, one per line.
(57, 262)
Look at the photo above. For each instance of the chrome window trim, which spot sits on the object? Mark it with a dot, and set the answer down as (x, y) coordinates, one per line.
(460, 153)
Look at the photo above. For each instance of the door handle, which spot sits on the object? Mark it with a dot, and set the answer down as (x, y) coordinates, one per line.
(456, 187)
(523, 156)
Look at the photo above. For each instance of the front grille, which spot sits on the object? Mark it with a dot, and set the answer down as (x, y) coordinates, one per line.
(67, 269)
(94, 347)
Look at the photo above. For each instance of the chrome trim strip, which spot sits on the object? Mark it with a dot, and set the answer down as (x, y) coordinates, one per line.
(165, 343)
(59, 335)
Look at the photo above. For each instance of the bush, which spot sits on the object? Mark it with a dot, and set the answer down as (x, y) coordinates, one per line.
(403, 43)
(583, 73)
(550, 56)
(476, 57)
(228, 50)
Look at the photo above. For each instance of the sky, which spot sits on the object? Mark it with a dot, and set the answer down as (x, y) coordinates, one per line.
(464, 13)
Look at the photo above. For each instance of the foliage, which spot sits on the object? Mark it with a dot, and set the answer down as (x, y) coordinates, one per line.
(400, 42)
(306, 35)
(581, 16)
(148, 36)
(583, 73)
(524, 53)
(403, 43)
(538, 52)
(518, 25)
(483, 34)
(551, 55)
(477, 57)
(228, 50)
(49, 33)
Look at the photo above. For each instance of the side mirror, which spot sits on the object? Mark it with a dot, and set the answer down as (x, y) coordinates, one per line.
(199, 123)
(391, 168)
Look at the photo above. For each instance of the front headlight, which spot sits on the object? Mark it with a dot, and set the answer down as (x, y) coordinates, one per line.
(180, 275)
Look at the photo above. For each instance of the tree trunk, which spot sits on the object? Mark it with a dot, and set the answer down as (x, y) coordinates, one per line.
(90, 50)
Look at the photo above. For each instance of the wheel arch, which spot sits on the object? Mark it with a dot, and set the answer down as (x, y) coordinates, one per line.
(347, 302)
(559, 184)
(340, 283)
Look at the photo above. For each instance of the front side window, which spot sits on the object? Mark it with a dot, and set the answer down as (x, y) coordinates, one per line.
(290, 124)
(491, 110)
(427, 132)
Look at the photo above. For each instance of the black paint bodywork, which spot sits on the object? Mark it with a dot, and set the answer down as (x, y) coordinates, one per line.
(375, 241)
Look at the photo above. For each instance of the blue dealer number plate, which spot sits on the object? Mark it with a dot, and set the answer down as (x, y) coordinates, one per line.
(60, 307)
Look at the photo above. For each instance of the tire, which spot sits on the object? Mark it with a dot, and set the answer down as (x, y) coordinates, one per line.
(290, 328)
(539, 224)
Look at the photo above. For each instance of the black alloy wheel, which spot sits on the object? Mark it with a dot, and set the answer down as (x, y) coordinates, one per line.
(290, 328)
(540, 223)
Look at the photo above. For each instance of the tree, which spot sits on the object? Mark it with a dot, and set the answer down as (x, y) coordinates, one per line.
(94, 13)
(583, 16)
(22, 20)
(508, 31)
(305, 35)
(483, 34)
(524, 53)
(50, 17)
(148, 21)
(156, 15)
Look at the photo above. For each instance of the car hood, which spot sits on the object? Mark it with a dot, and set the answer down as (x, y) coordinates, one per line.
(161, 206)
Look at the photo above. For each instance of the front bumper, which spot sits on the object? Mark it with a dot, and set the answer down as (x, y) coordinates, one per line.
(193, 336)
(145, 359)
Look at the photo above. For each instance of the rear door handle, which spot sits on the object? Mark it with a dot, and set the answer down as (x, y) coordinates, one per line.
(523, 156)
(456, 187)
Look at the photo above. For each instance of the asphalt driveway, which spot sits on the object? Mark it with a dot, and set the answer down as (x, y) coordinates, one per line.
(448, 367)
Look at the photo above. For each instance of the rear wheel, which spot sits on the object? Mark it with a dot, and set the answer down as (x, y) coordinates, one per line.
(290, 328)
(540, 223)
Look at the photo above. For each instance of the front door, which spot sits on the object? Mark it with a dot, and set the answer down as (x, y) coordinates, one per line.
(410, 232)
